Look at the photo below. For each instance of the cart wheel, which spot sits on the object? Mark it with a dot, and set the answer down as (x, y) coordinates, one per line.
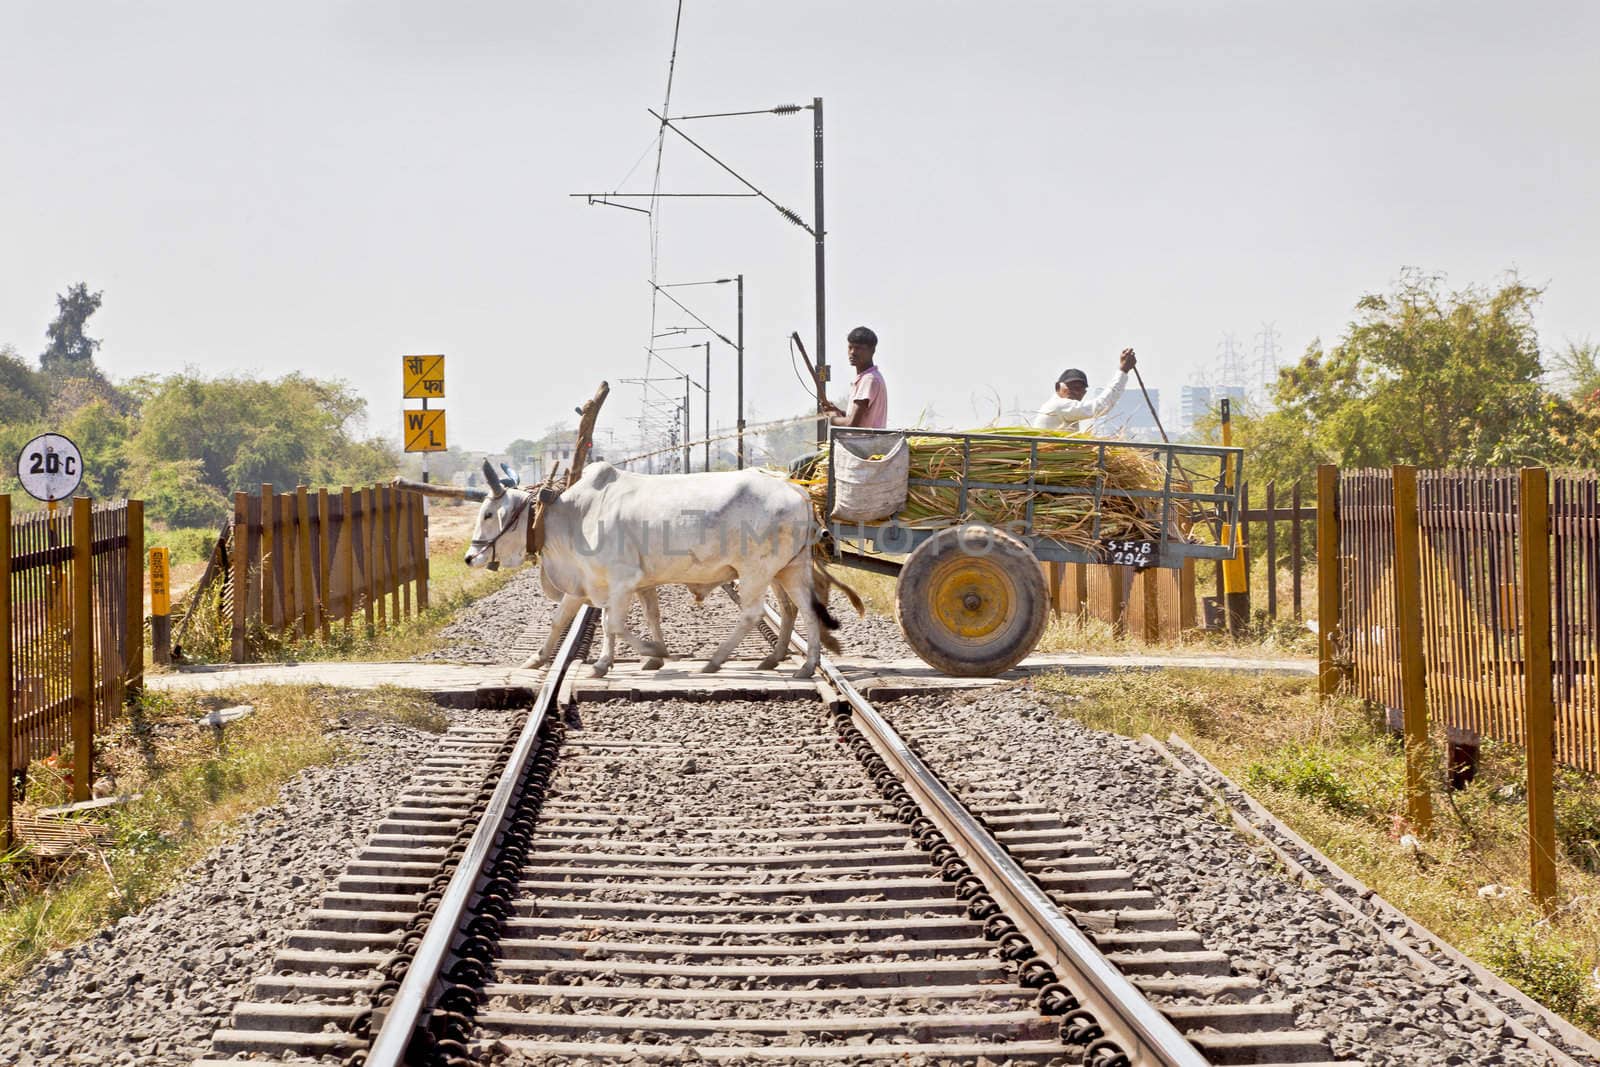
(971, 601)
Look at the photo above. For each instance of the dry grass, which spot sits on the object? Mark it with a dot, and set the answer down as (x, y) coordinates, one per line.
(1332, 772)
(192, 790)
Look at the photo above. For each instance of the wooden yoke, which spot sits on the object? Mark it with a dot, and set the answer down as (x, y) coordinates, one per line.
(587, 414)
(580, 455)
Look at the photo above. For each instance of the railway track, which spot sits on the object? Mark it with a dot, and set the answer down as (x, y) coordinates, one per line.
(738, 883)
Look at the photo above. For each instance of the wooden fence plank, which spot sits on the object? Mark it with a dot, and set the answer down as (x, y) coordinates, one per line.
(369, 568)
(133, 620)
(269, 554)
(6, 685)
(1272, 551)
(1329, 589)
(241, 572)
(82, 647)
(1538, 693)
(324, 562)
(308, 591)
(347, 555)
(1413, 657)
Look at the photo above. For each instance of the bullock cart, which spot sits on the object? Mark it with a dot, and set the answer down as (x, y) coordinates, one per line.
(984, 510)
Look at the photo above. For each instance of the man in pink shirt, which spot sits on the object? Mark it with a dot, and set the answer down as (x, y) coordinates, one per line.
(869, 397)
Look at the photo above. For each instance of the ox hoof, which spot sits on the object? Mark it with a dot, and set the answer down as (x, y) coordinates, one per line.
(534, 663)
(805, 672)
(655, 650)
(770, 663)
(711, 667)
(599, 670)
(651, 664)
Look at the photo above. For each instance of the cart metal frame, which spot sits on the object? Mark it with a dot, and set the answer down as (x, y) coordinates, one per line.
(1182, 463)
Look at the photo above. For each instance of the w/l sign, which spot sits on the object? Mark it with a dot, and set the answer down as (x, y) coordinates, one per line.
(424, 430)
(50, 467)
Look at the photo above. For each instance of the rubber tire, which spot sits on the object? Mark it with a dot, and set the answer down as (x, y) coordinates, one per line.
(936, 643)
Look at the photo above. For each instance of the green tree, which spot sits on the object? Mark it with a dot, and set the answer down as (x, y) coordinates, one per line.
(1422, 376)
(101, 434)
(71, 350)
(24, 393)
(245, 431)
(175, 493)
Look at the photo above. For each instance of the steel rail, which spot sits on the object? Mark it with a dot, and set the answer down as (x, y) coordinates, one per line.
(1146, 1036)
(417, 988)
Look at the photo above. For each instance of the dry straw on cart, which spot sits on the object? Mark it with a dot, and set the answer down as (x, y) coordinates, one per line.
(1064, 459)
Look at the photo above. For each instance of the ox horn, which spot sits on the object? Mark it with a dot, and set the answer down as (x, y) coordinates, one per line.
(496, 490)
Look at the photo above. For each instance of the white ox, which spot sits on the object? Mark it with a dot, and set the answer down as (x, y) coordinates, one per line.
(616, 534)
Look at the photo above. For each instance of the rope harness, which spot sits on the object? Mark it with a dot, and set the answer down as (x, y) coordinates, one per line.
(492, 544)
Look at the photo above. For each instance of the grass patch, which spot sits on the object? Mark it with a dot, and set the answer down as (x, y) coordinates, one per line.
(1332, 772)
(192, 790)
(184, 544)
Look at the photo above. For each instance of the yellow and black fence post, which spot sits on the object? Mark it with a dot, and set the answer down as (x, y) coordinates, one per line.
(1235, 573)
(160, 606)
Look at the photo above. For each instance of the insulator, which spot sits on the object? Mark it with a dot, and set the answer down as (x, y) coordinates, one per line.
(787, 109)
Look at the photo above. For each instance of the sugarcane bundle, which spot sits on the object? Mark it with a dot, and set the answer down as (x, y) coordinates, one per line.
(1063, 460)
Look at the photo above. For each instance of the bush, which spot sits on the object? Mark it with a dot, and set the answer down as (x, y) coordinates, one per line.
(175, 493)
(1578, 819)
(1307, 772)
(187, 544)
(1547, 968)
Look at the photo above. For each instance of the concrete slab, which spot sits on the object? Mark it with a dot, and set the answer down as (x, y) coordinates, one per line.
(683, 680)
(481, 686)
(461, 685)
(891, 679)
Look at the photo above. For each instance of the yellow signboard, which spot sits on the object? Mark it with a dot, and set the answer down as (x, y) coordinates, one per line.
(160, 583)
(424, 377)
(424, 430)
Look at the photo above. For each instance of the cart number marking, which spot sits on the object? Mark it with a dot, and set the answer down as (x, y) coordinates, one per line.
(1130, 553)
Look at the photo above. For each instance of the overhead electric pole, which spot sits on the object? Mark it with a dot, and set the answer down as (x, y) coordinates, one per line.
(821, 231)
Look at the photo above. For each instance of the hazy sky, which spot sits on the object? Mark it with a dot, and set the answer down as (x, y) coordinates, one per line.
(1012, 187)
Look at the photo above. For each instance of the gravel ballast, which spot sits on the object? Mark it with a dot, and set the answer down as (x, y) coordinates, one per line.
(1344, 979)
(151, 989)
(511, 623)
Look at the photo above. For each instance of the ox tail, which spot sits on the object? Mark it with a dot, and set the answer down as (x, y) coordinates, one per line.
(824, 580)
(824, 616)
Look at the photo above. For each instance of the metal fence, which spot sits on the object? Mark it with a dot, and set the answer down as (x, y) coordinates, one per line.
(72, 598)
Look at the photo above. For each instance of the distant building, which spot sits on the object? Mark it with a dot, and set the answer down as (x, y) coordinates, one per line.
(554, 454)
(1195, 402)
(1131, 418)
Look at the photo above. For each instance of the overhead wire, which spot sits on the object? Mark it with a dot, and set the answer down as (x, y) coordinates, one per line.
(655, 184)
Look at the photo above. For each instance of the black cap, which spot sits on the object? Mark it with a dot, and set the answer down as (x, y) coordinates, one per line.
(862, 336)
(1072, 374)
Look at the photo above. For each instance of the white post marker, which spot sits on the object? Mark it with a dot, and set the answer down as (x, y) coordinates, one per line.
(50, 467)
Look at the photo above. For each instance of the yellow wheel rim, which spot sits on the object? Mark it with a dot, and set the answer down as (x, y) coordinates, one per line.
(973, 598)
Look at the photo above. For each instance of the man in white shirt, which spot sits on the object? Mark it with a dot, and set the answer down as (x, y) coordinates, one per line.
(1071, 406)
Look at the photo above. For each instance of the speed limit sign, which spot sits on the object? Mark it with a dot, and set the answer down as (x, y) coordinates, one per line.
(50, 467)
